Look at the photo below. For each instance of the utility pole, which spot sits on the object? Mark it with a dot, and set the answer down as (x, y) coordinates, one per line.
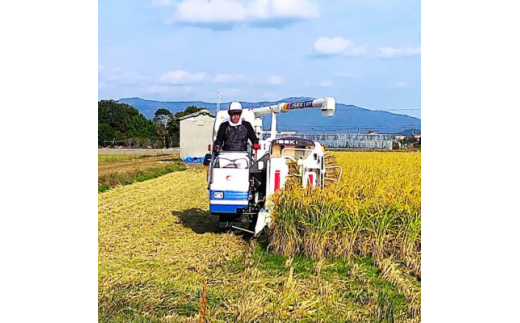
(218, 110)
(218, 100)
(164, 123)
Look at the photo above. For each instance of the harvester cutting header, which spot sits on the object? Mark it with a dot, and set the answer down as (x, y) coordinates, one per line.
(242, 177)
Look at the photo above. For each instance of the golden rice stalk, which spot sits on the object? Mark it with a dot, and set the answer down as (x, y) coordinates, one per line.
(332, 175)
(375, 210)
(294, 178)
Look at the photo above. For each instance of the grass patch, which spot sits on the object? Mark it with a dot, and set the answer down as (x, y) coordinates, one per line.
(341, 268)
(303, 265)
(391, 305)
(275, 264)
(111, 180)
(362, 288)
(367, 265)
(111, 159)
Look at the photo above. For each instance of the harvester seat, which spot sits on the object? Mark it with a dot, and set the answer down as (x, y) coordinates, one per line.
(232, 159)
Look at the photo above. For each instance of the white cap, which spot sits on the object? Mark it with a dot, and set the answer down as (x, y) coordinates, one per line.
(235, 106)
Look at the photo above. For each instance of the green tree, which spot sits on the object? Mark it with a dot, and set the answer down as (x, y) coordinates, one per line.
(120, 121)
(105, 133)
(189, 110)
(163, 118)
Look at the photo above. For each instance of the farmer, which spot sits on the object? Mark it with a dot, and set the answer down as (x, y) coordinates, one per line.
(235, 132)
(232, 135)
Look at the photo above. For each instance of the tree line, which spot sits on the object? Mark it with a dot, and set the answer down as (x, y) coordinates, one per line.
(120, 124)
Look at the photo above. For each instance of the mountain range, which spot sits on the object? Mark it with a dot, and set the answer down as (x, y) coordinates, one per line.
(348, 118)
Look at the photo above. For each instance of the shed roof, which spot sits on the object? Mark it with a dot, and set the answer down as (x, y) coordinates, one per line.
(200, 112)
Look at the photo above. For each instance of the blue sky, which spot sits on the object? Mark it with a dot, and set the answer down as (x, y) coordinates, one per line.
(366, 53)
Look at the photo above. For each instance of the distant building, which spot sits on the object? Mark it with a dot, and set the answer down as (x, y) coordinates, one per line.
(196, 131)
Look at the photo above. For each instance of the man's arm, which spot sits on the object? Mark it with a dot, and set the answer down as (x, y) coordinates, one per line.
(251, 133)
(220, 134)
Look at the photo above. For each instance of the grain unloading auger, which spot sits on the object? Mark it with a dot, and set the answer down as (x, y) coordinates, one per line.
(240, 183)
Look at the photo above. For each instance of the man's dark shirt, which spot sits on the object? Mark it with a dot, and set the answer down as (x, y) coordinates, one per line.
(235, 137)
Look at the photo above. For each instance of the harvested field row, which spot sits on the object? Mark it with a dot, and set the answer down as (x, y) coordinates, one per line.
(137, 151)
(114, 170)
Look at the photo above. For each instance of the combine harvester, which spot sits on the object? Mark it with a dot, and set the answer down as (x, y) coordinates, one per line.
(240, 183)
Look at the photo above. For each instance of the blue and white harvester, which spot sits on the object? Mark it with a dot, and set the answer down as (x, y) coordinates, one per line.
(240, 183)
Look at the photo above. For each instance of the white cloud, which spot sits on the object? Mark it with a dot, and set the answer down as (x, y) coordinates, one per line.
(388, 52)
(274, 80)
(336, 46)
(331, 46)
(119, 76)
(292, 8)
(247, 11)
(161, 2)
(228, 78)
(201, 11)
(182, 77)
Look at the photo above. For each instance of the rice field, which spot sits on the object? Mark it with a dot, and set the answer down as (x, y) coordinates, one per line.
(374, 210)
(162, 258)
(124, 169)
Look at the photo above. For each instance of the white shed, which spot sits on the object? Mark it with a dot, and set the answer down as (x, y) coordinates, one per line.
(196, 132)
